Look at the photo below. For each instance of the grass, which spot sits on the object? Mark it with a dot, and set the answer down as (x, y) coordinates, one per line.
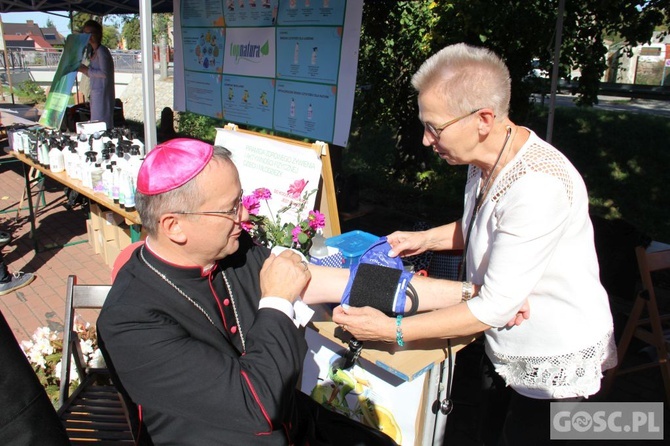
(623, 158)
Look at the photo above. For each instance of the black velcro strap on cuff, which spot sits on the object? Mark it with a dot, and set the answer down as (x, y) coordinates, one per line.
(375, 286)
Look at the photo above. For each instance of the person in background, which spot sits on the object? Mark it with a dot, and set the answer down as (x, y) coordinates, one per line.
(11, 282)
(528, 239)
(100, 72)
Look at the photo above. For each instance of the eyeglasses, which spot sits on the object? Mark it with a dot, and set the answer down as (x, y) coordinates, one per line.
(437, 131)
(234, 211)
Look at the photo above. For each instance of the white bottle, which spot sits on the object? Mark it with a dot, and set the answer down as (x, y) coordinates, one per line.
(56, 160)
(319, 250)
(108, 180)
(96, 178)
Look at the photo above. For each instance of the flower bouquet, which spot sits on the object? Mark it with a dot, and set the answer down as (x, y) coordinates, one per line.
(289, 226)
(45, 353)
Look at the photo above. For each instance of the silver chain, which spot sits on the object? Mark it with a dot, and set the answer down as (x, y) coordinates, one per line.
(194, 303)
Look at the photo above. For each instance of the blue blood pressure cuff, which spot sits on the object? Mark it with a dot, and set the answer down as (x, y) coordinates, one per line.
(381, 282)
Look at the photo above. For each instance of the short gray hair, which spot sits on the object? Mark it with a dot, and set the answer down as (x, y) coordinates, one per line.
(183, 198)
(466, 78)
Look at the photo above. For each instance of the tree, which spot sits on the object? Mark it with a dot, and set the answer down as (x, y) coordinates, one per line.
(396, 37)
(79, 18)
(110, 36)
(131, 33)
(50, 23)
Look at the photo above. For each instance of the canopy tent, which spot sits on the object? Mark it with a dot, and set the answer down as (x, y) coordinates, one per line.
(99, 7)
(104, 7)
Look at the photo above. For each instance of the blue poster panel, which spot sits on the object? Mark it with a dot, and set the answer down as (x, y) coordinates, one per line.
(248, 100)
(201, 13)
(203, 49)
(305, 109)
(311, 12)
(250, 12)
(309, 53)
(203, 93)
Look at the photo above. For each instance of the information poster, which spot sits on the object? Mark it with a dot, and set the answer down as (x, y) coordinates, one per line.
(286, 65)
(61, 86)
(288, 171)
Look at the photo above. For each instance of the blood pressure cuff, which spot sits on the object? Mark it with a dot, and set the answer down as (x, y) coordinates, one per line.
(380, 281)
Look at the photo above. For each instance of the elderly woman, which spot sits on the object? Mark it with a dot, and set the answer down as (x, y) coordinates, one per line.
(527, 238)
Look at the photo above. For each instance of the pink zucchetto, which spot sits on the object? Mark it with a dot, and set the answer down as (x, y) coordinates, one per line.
(172, 164)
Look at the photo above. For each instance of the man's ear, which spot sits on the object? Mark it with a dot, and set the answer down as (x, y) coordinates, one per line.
(169, 225)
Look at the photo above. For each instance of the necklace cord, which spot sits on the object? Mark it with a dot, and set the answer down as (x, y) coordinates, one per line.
(478, 204)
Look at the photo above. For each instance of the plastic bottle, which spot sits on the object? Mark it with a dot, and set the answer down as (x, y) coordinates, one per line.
(319, 249)
(56, 159)
(96, 178)
(108, 180)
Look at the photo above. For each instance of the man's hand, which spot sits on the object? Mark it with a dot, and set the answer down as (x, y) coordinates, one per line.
(285, 275)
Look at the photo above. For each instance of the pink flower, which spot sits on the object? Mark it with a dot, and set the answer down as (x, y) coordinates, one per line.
(316, 220)
(263, 193)
(247, 225)
(251, 203)
(295, 189)
(296, 233)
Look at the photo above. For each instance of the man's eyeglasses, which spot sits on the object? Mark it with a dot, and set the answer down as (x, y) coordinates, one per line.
(233, 212)
(437, 131)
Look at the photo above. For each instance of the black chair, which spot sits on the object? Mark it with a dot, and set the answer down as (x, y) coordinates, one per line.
(95, 412)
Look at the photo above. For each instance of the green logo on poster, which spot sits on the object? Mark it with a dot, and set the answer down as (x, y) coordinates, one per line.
(249, 51)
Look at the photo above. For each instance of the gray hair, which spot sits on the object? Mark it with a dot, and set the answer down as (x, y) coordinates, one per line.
(183, 199)
(466, 78)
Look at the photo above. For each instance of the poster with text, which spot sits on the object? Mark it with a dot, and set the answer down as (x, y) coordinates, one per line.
(203, 49)
(289, 172)
(203, 92)
(306, 53)
(307, 50)
(61, 86)
(250, 51)
(311, 12)
(250, 12)
(201, 13)
(305, 109)
(248, 100)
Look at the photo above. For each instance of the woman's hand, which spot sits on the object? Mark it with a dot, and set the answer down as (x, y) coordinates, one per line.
(365, 323)
(407, 243)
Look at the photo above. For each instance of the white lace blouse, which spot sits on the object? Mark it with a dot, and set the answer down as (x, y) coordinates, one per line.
(533, 239)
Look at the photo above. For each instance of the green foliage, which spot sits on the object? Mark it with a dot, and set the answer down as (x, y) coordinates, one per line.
(110, 36)
(131, 33)
(197, 126)
(396, 37)
(30, 92)
(161, 24)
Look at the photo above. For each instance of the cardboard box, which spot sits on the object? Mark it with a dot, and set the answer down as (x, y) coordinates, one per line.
(123, 238)
(112, 251)
(90, 233)
(110, 224)
(96, 217)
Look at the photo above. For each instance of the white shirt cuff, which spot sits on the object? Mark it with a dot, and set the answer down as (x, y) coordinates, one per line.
(298, 312)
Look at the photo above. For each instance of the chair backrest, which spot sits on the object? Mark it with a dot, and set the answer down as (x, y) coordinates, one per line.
(650, 262)
(77, 297)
